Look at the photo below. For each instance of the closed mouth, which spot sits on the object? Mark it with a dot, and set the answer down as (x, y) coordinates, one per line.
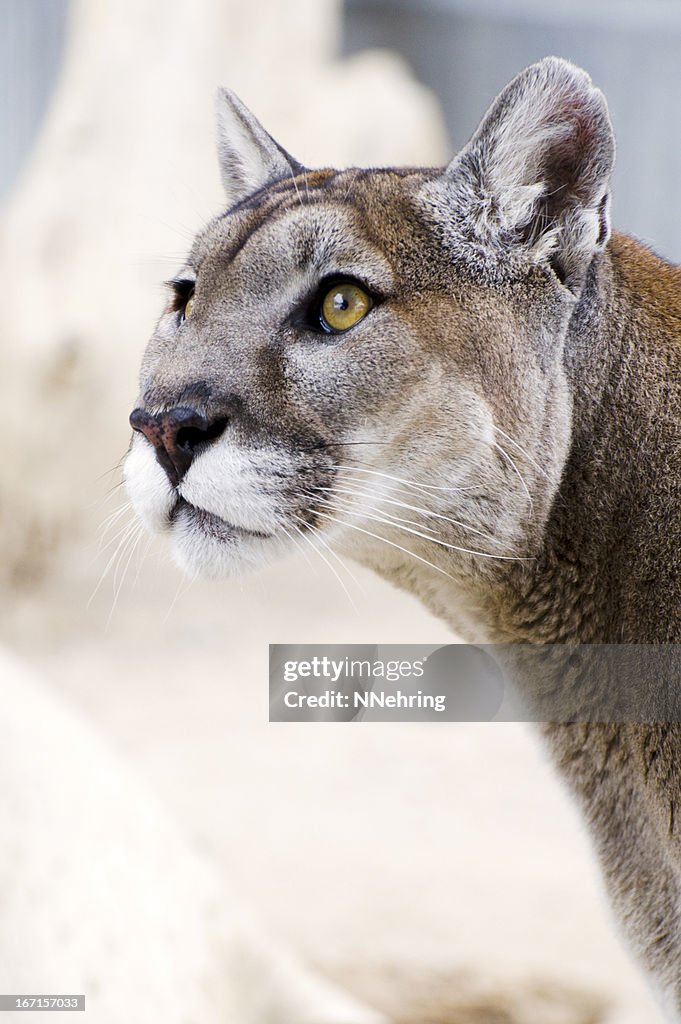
(211, 524)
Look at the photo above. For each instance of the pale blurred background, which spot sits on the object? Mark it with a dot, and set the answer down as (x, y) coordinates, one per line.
(380, 855)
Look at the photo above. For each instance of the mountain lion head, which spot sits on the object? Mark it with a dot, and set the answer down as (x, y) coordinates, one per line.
(372, 360)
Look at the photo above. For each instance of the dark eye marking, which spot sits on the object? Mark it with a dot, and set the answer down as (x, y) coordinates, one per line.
(182, 294)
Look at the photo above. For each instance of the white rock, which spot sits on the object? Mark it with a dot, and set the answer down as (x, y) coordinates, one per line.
(101, 896)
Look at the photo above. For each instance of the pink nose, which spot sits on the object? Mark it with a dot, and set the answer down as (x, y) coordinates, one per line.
(177, 435)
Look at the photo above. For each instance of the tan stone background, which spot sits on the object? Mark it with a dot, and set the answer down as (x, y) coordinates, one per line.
(441, 865)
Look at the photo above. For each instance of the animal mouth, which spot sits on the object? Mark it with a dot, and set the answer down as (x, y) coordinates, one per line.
(210, 524)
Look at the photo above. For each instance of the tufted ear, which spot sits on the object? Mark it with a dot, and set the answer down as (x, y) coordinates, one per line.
(536, 173)
(249, 158)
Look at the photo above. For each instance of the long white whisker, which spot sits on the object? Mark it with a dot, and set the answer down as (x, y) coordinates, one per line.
(522, 451)
(516, 471)
(415, 508)
(127, 532)
(121, 528)
(300, 547)
(141, 559)
(392, 544)
(334, 554)
(117, 588)
(331, 567)
(411, 483)
(183, 586)
(387, 514)
(425, 536)
(127, 549)
(358, 494)
(111, 493)
(110, 522)
(115, 514)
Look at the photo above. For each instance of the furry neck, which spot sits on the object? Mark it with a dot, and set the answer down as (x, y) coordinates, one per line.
(607, 569)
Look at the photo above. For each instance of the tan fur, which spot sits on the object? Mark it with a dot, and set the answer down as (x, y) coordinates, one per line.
(499, 435)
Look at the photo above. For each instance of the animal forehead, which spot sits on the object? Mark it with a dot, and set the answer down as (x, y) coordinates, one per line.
(314, 217)
(293, 250)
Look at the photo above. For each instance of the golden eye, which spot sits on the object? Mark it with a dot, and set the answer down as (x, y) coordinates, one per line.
(188, 306)
(343, 306)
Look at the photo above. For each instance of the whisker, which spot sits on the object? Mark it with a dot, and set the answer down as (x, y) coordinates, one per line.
(411, 483)
(361, 495)
(128, 548)
(113, 517)
(132, 546)
(300, 547)
(522, 451)
(125, 535)
(379, 511)
(108, 472)
(344, 444)
(425, 536)
(125, 507)
(328, 563)
(516, 471)
(334, 554)
(104, 499)
(141, 560)
(417, 508)
(121, 529)
(385, 540)
(183, 586)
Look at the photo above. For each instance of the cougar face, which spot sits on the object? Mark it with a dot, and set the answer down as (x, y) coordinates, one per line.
(373, 360)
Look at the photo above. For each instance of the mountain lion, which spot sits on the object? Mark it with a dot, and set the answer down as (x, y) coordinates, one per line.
(462, 379)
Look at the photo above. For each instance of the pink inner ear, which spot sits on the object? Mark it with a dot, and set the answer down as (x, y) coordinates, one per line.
(583, 117)
(573, 163)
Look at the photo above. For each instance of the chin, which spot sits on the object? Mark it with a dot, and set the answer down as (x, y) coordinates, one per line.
(205, 546)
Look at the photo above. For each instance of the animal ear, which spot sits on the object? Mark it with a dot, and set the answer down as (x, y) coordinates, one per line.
(249, 158)
(536, 173)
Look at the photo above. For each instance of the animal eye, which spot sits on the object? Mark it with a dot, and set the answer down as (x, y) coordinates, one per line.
(188, 306)
(182, 299)
(343, 306)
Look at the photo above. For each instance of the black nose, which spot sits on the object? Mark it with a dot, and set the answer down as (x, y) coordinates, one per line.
(177, 435)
